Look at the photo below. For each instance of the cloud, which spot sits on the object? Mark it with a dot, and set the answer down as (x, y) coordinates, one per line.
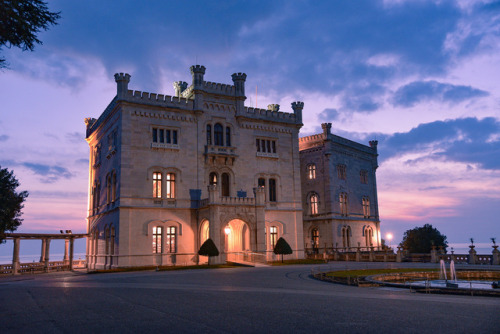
(328, 115)
(4, 137)
(50, 174)
(467, 140)
(75, 137)
(422, 91)
(82, 161)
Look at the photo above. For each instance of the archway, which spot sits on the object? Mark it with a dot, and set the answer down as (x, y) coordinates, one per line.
(204, 235)
(237, 239)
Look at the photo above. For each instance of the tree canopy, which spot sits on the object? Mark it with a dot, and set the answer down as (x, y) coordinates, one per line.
(21, 21)
(208, 248)
(11, 203)
(282, 247)
(421, 239)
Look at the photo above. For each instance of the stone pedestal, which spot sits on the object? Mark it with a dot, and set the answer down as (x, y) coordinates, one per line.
(472, 255)
(399, 255)
(434, 255)
(496, 256)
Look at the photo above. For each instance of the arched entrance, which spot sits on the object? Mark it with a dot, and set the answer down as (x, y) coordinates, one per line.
(237, 239)
(204, 235)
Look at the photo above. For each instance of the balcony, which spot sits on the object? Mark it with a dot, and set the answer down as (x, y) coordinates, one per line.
(220, 155)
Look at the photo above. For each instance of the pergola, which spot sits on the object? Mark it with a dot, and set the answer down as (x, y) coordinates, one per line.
(44, 253)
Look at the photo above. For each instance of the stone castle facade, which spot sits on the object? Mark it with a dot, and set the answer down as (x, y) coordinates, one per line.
(168, 172)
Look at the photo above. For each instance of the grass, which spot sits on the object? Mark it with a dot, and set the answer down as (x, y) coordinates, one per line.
(162, 268)
(369, 272)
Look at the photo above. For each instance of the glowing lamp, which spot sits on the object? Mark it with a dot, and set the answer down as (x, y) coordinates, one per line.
(389, 236)
(227, 230)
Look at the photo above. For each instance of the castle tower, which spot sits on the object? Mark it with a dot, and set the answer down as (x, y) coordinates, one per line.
(297, 110)
(122, 80)
(179, 87)
(239, 91)
(197, 71)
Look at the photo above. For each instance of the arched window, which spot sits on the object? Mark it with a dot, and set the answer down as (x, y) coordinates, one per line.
(171, 241)
(212, 178)
(218, 135)
(228, 136)
(369, 237)
(272, 190)
(314, 204)
(262, 182)
(346, 236)
(113, 187)
(366, 207)
(209, 134)
(157, 184)
(315, 238)
(311, 171)
(157, 234)
(273, 235)
(170, 185)
(225, 184)
(343, 204)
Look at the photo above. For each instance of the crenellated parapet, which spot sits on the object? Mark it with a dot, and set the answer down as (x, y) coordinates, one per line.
(197, 72)
(218, 88)
(297, 107)
(271, 115)
(122, 80)
(158, 100)
(239, 83)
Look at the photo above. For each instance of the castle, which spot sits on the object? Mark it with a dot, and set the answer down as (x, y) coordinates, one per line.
(168, 172)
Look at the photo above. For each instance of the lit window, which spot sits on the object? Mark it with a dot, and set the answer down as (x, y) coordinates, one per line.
(311, 171)
(314, 204)
(213, 178)
(341, 172)
(170, 185)
(366, 206)
(218, 135)
(157, 233)
(262, 183)
(170, 244)
(343, 204)
(315, 237)
(157, 185)
(273, 235)
(225, 184)
(363, 175)
(272, 190)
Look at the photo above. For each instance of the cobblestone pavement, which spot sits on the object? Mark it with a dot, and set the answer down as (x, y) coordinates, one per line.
(238, 300)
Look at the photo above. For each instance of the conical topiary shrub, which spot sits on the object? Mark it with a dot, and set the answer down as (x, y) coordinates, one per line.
(208, 249)
(282, 247)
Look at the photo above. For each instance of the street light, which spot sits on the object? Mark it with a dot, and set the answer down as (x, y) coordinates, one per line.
(389, 237)
(227, 230)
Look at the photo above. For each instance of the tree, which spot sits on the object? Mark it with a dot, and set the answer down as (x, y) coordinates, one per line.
(208, 248)
(11, 203)
(421, 239)
(21, 21)
(282, 247)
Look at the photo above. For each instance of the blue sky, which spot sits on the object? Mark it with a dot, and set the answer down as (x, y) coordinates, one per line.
(421, 77)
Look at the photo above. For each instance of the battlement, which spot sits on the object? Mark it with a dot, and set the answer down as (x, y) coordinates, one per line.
(270, 114)
(158, 100)
(218, 88)
(314, 140)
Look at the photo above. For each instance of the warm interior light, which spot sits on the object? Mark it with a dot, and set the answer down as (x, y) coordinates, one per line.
(227, 230)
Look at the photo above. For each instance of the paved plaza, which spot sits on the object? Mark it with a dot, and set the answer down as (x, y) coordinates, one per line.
(236, 300)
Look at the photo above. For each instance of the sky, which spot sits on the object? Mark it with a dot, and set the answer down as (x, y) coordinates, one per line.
(421, 77)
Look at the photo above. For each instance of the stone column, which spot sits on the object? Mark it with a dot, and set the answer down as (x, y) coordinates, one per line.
(47, 252)
(472, 255)
(71, 253)
(66, 246)
(358, 255)
(399, 255)
(434, 255)
(496, 256)
(15, 256)
(42, 252)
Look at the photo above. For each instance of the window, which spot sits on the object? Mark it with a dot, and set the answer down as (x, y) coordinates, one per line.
(343, 204)
(218, 135)
(273, 235)
(272, 190)
(96, 193)
(369, 237)
(314, 204)
(157, 233)
(341, 172)
(108, 189)
(311, 171)
(164, 138)
(112, 246)
(113, 187)
(170, 185)
(346, 236)
(228, 136)
(209, 134)
(157, 185)
(262, 183)
(170, 243)
(315, 238)
(265, 147)
(363, 175)
(213, 178)
(366, 206)
(225, 184)
(97, 155)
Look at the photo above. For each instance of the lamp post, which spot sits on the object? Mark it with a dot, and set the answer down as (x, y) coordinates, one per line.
(389, 237)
